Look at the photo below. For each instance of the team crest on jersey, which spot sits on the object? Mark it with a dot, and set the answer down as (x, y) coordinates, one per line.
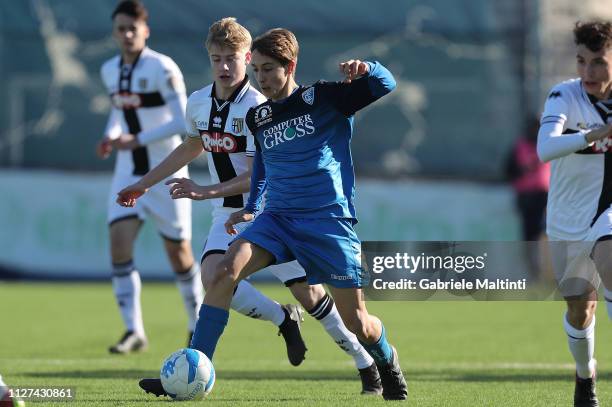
(142, 83)
(263, 114)
(555, 94)
(308, 95)
(217, 121)
(237, 125)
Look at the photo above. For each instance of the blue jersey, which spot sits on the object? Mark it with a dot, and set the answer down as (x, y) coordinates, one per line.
(303, 156)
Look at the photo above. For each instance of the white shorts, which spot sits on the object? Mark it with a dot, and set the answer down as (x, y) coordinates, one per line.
(172, 216)
(219, 240)
(573, 266)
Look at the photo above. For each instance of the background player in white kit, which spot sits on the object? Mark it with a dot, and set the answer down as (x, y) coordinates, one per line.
(575, 135)
(148, 103)
(215, 123)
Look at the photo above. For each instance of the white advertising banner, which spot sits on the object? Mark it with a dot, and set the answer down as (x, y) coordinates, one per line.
(53, 224)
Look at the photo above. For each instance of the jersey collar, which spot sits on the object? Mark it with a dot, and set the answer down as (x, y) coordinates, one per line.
(238, 94)
(593, 99)
(140, 54)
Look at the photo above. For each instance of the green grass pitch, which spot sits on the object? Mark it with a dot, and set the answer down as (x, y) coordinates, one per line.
(452, 353)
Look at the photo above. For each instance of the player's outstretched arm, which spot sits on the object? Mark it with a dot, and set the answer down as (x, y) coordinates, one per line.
(552, 143)
(181, 156)
(364, 83)
(554, 139)
(187, 188)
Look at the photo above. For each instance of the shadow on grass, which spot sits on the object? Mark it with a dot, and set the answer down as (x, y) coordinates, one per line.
(297, 374)
(423, 375)
(500, 376)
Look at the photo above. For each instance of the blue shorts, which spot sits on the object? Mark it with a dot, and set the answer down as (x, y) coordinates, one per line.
(328, 249)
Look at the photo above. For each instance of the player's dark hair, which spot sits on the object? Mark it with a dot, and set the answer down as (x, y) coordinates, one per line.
(132, 8)
(279, 44)
(595, 35)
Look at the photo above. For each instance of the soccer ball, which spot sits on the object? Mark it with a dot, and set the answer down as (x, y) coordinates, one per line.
(187, 374)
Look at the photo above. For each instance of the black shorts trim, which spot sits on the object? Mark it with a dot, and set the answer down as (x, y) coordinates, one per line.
(126, 217)
(171, 239)
(209, 252)
(292, 281)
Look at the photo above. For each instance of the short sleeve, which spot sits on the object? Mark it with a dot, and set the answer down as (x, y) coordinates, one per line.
(190, 126)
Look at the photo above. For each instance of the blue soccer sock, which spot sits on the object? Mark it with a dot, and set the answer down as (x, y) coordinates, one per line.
(380, 351)
(208, 329)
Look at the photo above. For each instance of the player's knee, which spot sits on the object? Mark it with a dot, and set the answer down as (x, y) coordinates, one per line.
(179, 254)
(580, 313)
(121, 250)
(180, 261)
(224, 276)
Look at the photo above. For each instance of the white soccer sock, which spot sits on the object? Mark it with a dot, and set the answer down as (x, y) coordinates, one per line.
(582, 346)
(249, 301)
(327, 314)
(608, 298)
(190, 286)
(127, 287)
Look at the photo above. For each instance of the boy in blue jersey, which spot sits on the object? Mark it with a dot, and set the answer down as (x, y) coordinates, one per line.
(303, 159)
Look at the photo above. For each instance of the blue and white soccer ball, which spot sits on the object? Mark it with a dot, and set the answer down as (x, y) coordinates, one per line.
(187, 374)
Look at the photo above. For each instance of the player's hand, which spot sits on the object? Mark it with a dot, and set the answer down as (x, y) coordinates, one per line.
(237, 217)
(186, 188)
(599, 134)
(353, 69)
(128, 195)
(104, 148)
(126, 142)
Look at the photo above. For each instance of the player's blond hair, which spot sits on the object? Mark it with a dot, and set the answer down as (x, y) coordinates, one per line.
(228, 33)
(279, 44)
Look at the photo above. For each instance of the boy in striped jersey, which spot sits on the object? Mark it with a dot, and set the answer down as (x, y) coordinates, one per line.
(575, 136)
(148, 103)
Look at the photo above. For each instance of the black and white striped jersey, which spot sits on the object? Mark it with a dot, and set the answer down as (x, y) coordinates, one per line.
(220, 124)
(148, 100)
(581, 173)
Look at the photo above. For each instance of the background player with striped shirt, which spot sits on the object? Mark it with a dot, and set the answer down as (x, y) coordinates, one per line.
(148, 103)
(576, 136)
(216, 124)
